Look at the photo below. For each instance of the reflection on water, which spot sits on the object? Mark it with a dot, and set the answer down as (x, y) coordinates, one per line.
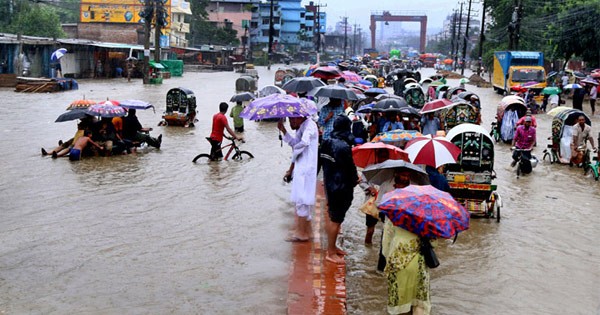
(156, 233)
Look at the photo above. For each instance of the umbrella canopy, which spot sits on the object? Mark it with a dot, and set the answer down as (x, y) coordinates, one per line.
(425, 211)
(370, 152)
(555, 111)
(302, 84)
(366, 82)
(106, 109)
(80, 104)
(464, 81)
(430, 151)
(387, 95)
(435, 105)
(375, 91)
(390, 104)
(364, 109)
(242, 97)
(436, 83)
(448, 61)
(396, 136)
(572, 86)
(442, 87)
(57, 54)
(270, 89)
(409, 110)
(77, 113)
(335, 91)
(589, 81)
(278, 106)
(135, 104)
(379, 173)
(327, 72)
(351, 76)
(551, 90)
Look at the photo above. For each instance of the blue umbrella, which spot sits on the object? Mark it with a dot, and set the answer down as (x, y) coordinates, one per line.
(135, 104)
(375, 91)
(572, 86)
(57, 54)
(365, 108)
(366, 82)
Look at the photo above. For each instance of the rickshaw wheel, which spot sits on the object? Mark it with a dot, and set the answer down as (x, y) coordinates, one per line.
(202, 158)
(242, 155)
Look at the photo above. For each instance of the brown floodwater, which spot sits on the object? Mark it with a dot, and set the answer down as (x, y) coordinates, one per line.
(154, 233)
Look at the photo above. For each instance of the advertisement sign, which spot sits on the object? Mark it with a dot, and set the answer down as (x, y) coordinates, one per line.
(116, 11)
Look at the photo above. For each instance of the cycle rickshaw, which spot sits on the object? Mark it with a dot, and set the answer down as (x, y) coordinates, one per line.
(470, 179)
(457, 113)
(559, 150)
(414, 95)
(508, 113)
(181, 108)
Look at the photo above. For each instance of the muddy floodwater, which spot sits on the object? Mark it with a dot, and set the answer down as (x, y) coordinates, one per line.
(153, 233)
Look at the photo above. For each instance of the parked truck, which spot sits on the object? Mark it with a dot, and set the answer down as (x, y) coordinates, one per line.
(525, 68)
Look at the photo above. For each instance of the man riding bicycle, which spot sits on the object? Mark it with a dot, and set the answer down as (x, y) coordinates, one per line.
(581, 134)
(524, 140)
(219, 125)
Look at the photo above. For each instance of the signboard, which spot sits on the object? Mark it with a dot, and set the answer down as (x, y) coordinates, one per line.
(116, 11)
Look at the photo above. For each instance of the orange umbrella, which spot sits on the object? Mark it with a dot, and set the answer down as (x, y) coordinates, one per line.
(376, 152)
(81, 104)
(448, 61)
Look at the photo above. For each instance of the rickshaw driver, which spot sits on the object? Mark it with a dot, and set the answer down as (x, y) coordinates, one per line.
(524, 139)
(219, 125)
(581, 134)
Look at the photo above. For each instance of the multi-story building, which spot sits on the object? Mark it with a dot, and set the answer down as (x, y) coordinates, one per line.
(293, 25)
(234, 14)
(179, 28)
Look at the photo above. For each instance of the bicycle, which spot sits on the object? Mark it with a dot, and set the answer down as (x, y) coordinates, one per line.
(551, 153)
(590, 164)
(238, 154)
(526, 161)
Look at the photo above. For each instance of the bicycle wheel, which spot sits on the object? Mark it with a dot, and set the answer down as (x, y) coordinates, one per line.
(242, 155)
(202, 158)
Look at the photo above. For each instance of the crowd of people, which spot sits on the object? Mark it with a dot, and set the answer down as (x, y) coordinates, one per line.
(105, 137)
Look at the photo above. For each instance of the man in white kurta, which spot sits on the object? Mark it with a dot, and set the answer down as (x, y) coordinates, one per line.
(303, 170)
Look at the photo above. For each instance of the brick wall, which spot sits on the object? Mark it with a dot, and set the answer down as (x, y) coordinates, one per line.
(109, 32)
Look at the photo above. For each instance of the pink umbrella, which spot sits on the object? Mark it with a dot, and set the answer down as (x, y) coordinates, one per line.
(351, 76)
(369, 153)
(432, 151)
(435, 105)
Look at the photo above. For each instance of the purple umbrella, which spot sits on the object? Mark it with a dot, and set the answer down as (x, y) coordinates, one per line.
(278, 106)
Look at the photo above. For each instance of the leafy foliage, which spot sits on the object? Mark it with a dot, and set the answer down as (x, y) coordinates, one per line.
(206, 32)
(36, 21)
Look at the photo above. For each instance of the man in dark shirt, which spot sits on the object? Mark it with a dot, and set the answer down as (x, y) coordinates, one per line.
(134, 132)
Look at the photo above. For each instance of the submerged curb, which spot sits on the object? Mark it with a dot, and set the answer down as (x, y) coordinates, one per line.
(316, 286)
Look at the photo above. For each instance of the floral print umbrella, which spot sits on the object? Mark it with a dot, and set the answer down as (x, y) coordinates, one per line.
(278, 106)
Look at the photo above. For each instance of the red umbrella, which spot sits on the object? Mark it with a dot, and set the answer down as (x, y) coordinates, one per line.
(435, 105)
(370, 153)
(448, 61)
(432, 151)
(326, 73)
(351, 76)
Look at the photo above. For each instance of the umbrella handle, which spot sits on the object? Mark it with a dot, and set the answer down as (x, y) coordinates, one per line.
(280, 138)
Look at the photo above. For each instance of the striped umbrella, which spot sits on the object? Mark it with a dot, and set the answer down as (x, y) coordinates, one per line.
(431, 151)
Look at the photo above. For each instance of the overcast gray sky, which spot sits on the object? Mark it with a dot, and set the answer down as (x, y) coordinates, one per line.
(359, 11)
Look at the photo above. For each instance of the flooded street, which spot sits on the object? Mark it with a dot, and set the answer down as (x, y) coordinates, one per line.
(154, 233)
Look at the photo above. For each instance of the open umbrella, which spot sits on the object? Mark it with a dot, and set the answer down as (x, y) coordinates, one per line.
(396, 136)
(551, 90)
(390, 104)
(83, 103)
(351, 76)
(302, 84)
(327, 72)
(409, 110)
(379, 173)
(448, 61)
(278, 106)
(589, 81)
(431, 151)
(375, 91)
(106, 109)
(335, 91)
(387, 95)
(436, 83)
(270, 89)
(57, 54)
(77, 113)
(425, 211)
(435, 105)
(368, 153)
(242, 97)
(555, 111)
(364, 109)
(134, 104)
(572, 86)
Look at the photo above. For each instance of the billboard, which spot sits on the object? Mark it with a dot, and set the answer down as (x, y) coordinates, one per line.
(116, 11)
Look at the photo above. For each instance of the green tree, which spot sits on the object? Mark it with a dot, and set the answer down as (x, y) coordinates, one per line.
(203, 31)
(37, 20)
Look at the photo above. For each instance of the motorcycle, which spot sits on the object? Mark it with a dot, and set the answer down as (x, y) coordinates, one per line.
(526, 161)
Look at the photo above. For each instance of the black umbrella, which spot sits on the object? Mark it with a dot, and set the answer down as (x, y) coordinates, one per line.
(74, 114)
(242, 97)
(302, 84)
(390, 104)
(335, 91)
(386, 96)
(409, 110)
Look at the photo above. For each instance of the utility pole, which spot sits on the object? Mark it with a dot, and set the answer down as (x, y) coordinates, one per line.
(148, 14)
(481, 38)
(453, 40)
(518, 26)
(271, 31)
(458, 36)
(514, 26)
(466, 39)
(158, 11)
(354, 40)
(360, 41)
(318, 26)
(345, 35)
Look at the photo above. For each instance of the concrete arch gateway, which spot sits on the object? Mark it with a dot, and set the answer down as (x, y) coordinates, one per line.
(386, 16)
